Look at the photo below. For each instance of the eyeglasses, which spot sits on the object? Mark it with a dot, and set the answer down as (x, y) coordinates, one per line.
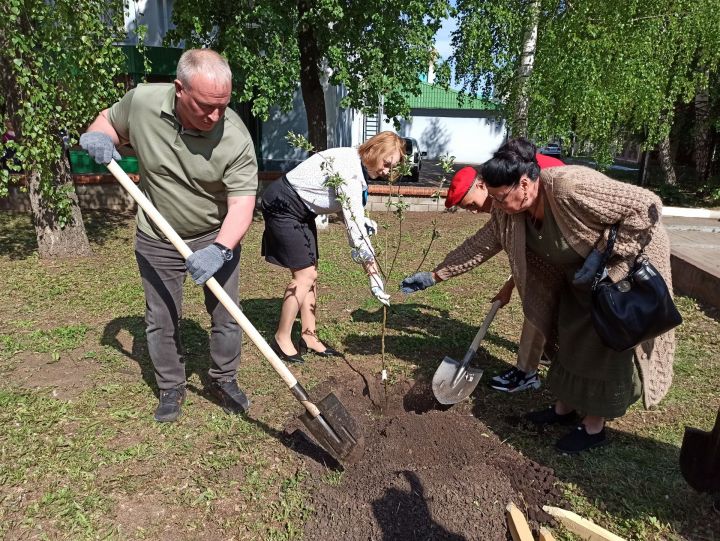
(501, 199)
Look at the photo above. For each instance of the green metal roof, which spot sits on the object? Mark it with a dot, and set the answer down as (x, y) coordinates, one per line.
(436, 97)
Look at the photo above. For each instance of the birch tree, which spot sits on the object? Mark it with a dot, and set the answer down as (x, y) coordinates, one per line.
(57, 62)
(602, 70)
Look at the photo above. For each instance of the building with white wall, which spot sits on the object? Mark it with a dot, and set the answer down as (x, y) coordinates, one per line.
(471, 129)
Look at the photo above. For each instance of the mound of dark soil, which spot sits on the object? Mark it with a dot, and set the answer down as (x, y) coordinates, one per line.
(425, 473)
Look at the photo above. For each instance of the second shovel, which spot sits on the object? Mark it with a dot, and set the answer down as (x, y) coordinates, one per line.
(454, 381)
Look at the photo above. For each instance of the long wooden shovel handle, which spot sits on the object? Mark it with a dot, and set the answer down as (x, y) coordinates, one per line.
(481, 332)
(212, 283)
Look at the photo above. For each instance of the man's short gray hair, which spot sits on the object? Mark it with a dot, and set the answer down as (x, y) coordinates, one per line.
(206, 61)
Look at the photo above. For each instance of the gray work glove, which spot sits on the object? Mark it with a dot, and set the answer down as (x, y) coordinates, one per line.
(586, 274)
(417, 282)
(378, 289)
(203, 264)
(100, 146)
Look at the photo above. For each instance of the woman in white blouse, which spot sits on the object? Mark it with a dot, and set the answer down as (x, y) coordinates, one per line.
(290, 206)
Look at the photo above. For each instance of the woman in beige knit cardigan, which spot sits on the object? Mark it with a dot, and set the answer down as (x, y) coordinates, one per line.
(550, 223)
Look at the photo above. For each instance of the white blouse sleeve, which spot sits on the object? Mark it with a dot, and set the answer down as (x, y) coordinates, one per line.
(354, 214)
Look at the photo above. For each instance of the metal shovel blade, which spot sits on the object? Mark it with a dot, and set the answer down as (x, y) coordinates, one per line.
(452, 383)
(335, 430)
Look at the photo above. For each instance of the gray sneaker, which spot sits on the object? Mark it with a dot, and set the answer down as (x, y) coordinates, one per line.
(168, 409)
(515, 380)
(230, 396)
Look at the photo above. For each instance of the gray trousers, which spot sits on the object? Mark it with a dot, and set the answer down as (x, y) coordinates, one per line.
(163, 272)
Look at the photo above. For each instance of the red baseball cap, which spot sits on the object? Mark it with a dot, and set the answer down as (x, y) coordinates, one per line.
(547, 161)
(460, 185)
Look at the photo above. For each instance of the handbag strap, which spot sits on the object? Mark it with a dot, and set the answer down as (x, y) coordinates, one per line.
(612, 234)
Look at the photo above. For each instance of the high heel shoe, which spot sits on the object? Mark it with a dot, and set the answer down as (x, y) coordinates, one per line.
(329, 352)
(295, 359)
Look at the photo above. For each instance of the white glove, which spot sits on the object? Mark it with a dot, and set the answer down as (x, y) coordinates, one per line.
(378, 289)
(370, 226)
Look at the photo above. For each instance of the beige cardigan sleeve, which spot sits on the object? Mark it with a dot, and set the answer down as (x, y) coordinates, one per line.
(592, 202)
(474, 251)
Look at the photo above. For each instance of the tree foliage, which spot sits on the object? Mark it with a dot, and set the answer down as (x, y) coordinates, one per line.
(57, 63)
(602, 69)
(373, 47)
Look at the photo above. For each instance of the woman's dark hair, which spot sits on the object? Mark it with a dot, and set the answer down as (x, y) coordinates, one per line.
(510, 162)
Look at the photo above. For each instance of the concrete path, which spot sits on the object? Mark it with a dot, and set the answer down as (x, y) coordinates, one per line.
(695, 257)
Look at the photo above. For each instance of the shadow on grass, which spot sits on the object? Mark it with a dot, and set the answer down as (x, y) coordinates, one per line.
(195, 343)
(19, 241)
(713, 312)
(427, 331)
(264, 315)
(103, 225)
(17, 235)
(426, 336)
(197, 360)
(634, 477)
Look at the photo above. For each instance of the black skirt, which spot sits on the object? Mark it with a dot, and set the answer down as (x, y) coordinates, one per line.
(290, 237)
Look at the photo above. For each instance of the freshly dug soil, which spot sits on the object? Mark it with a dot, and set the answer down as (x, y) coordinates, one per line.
(425, 473)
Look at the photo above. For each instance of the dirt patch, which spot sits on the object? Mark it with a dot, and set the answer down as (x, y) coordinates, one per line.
(425, 473)
(135, 518)
(67, 377)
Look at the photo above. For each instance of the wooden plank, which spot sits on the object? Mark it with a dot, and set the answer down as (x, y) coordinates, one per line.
(518, 526)
(545, 535)
(587, 530)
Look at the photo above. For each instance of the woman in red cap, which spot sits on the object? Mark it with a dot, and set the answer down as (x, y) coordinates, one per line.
(467, 191)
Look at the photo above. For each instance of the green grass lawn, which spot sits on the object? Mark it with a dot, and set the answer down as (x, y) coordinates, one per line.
(81, 457)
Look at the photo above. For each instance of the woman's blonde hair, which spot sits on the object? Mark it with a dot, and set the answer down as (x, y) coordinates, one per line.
(379, 146)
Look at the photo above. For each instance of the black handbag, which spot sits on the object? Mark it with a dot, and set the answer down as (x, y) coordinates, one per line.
(637, 308)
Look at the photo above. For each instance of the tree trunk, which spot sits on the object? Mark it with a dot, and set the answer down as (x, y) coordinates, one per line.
(702, 135)
(55, 241)
(525, 68)
(310, 85)
(643, 170)
(666, 161)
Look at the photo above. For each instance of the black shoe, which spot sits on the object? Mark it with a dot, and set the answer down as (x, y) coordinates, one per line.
(329, 352)
(549, 416)
(579, 440)
(297, 358)
(170, 401)
(231, 397)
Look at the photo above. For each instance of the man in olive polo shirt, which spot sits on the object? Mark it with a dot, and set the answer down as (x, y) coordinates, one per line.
(197, 166)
